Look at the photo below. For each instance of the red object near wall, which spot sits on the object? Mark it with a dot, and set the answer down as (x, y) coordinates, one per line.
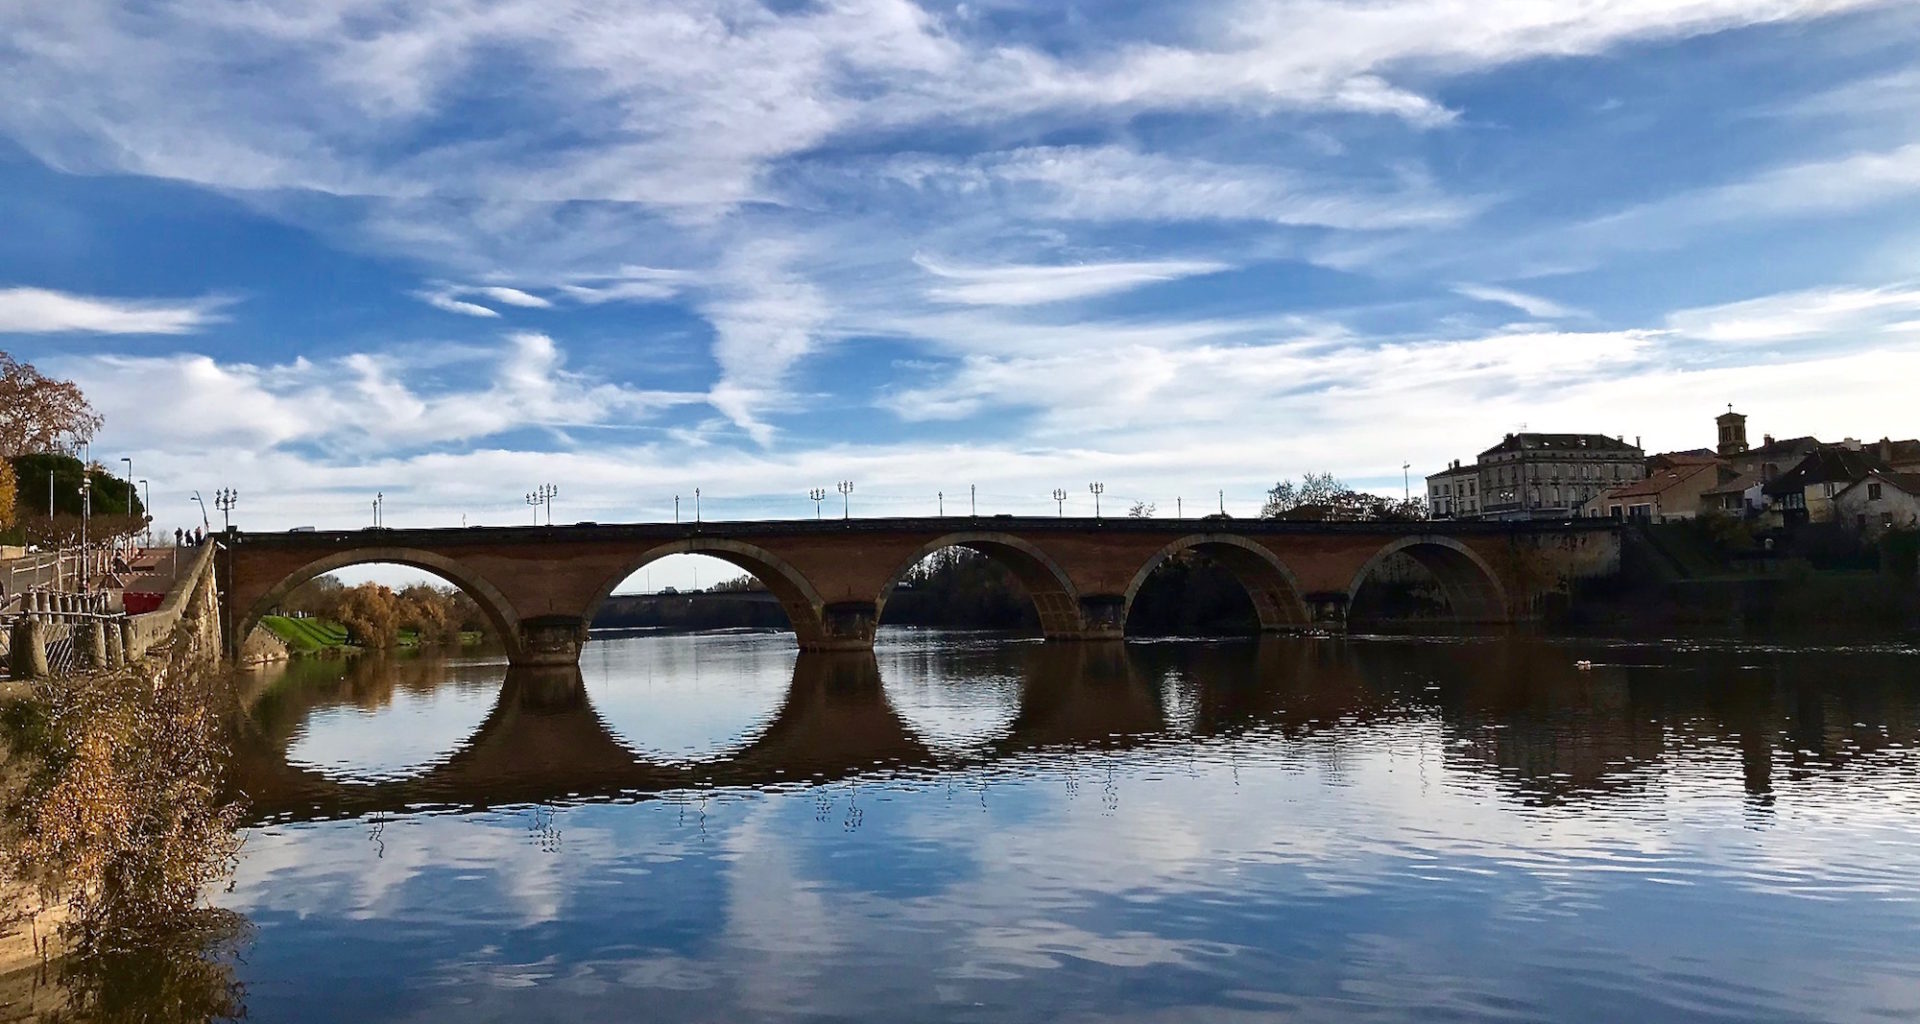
(139, 604)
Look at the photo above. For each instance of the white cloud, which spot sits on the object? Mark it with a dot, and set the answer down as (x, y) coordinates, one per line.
(445, 300)
(364, 398)
(1838, 185)
(1532, 305)
(42, 311)
(513, 297)
(1035, 285)
(1113, 183)
(683, 104)
(1832, 315)
(629, 284)
(765, 318)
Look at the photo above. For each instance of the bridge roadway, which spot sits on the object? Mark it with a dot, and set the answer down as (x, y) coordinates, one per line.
(541, 586)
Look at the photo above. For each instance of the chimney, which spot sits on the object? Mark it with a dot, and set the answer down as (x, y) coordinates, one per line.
(1766, 440)
(1636, 440)
(1886, 449)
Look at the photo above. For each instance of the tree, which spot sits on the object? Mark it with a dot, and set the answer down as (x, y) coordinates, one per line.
(371, 615)
(1142, 510)
(1322, 497)
(9, 495)
(39, 413)
(1315, 490)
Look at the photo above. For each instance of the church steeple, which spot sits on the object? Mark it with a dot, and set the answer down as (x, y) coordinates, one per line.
(1733, 432)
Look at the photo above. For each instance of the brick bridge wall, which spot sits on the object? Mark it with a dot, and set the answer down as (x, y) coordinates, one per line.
(542, 585)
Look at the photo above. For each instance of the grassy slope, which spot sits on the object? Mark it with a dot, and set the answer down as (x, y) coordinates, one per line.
(306, 636)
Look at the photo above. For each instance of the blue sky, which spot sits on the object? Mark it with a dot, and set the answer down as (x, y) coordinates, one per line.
(449, 251)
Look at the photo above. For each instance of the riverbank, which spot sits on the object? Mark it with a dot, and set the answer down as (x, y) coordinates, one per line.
(312, 636)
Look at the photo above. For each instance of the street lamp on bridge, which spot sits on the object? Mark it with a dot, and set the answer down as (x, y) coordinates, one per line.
(225, 499)
(846, 497)
(1098, 489)
(542, 495)
(1060, 501)
(818, 494)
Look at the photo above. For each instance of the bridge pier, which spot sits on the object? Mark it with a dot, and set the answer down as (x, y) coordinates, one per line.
(1329, 611)
(549, 641)
(844, 626)
(1103, 617)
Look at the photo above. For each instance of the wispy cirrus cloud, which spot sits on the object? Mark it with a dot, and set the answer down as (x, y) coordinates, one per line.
(1028, 285)
(1116, 183)
(44, 311)
(1838, 316)
(1532, 305)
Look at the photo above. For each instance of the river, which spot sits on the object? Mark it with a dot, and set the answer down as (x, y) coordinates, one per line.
(968, 827)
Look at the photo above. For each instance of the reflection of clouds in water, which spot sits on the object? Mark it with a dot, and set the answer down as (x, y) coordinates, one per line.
(410, 732)
(386, 869)
(1362, 867)
(950, 714)
(688, 698)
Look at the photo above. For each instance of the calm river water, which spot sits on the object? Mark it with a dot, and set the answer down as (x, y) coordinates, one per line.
(973, 828)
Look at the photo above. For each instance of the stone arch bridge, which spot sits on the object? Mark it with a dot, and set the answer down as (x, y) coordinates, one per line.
(541, 586)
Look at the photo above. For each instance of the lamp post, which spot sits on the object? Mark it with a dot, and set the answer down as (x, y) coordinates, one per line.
(224, 500)
(696, 506)
(676, 508)
(1098, 489)
(379, 510)
(818, 494)
(940, 499)
(1060, 501)
(846, 498)
(86, 512)
(542, 495)
(1406, 483)
(973, 500)
(146, 501)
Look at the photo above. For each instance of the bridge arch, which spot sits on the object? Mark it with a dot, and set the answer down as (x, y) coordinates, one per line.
(1473, 589)
(802, 602)
(498, 610)
(1270, 585)
(1053, 594)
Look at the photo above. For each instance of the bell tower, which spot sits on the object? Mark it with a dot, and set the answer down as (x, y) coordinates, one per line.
(1733, 432)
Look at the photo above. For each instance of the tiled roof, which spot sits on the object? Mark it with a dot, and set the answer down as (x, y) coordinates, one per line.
(1661, 481)
(1827, 464)
(1787, 446)
(1739, 484)
(1562, 442)
(1697, 457)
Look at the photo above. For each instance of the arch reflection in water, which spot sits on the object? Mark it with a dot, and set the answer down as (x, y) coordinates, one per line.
(1515, 712)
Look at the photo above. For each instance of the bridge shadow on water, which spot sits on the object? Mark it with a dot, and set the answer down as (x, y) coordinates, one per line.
(1519, 712)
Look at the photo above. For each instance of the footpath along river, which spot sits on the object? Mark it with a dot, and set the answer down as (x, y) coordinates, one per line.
(968, 827)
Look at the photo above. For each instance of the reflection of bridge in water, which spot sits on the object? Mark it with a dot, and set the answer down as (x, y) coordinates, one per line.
(1518, 713)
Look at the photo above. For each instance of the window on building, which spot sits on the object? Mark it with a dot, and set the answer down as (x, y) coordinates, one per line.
(1886, 519)
(1873, 492)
